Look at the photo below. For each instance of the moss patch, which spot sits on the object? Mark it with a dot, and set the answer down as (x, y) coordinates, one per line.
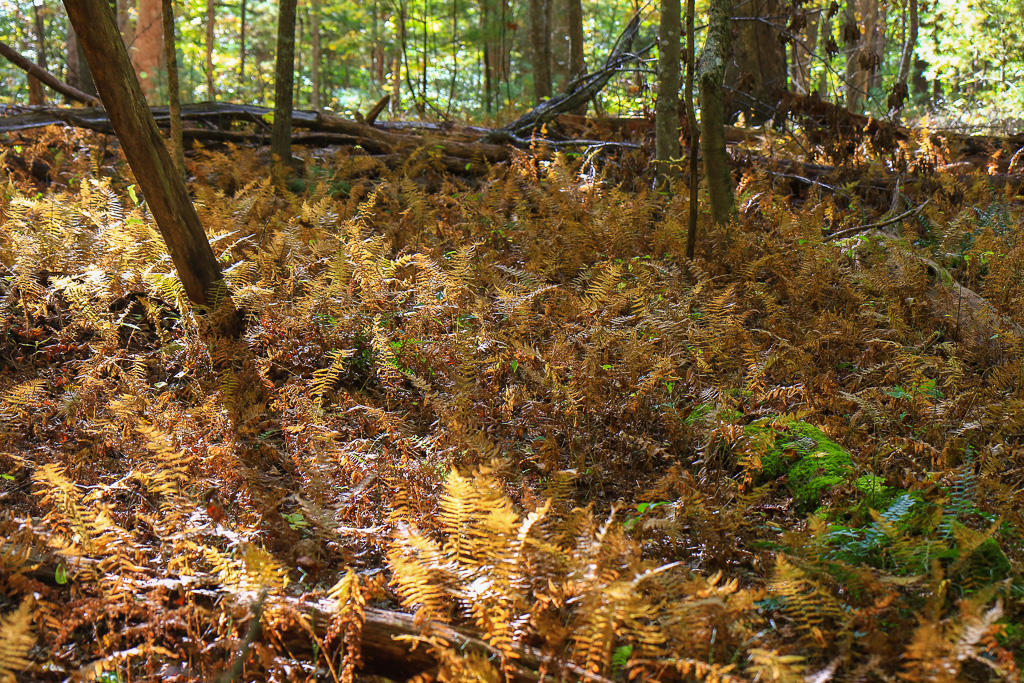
(812, 461)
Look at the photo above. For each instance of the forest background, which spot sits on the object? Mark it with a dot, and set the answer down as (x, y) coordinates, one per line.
(478, 404)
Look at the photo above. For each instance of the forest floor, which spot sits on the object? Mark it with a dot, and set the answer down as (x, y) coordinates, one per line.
(510, 405)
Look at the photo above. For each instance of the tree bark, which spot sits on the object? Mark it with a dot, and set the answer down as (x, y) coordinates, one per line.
(162, 187)
(691, 122)
(79, 75)
(314, 67)
(900, 91)
(540, 47)
(577, 62)
(124, 22)
(211, 23)
(757, 74)
(666, 121)
(45, 77)
(148, 48)
(241, 42)
(40, 36)
(710, 74)
(173, 92)
(284, 79)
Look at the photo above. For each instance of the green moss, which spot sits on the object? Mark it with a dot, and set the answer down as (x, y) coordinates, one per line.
(812, 461)
(876, 494)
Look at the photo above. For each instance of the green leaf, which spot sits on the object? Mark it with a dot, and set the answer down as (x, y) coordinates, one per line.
(515, 365)
(131, 193)
(61, 574)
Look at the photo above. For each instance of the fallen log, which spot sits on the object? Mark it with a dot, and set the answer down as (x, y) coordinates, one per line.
(392, 644)
(44, 76)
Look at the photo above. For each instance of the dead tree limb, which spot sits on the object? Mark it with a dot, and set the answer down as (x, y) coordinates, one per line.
(576, 94)
(44, 76)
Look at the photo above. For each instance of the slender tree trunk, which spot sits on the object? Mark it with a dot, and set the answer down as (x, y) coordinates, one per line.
(284, 79)
(124, 22)
(241, 43)
(691, 121)
(710, 75)
(173, 92)
(35, 88)
(577, 62)
(900, 91)
(852, 40)
(666, 121)
(314, 67)
(79, 75)
(149, 46)
(211, 23)
(161, 185)
(540, 48)
(803, 56)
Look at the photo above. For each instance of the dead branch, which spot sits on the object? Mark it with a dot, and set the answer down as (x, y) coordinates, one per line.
(44, 76)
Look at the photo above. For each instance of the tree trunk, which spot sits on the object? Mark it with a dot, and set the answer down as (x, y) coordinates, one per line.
(666, 121)
(691, 122)
(577, 62)
(314, 67)
(853, 41)
(803, 55)
(757, 75)
(710, 75)
(540, 48)
(173, 92)
(149, 47)
(284, 79)
(124, 22)
(79, 75)
(241, 42)
(40, 36)
(162, 187)
(900, 91)
(211, 22)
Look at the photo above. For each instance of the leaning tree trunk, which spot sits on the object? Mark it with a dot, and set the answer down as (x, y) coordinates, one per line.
(45, 77)
(163, 188)
(666, 113)
(710, 75)
(284, 79)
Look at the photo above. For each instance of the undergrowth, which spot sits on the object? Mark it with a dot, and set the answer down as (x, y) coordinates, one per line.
(512, 406)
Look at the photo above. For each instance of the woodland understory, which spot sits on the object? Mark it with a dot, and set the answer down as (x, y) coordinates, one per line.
(508, 407)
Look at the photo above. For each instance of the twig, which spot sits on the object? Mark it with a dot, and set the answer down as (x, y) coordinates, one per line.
(235, 672)
(861, 228)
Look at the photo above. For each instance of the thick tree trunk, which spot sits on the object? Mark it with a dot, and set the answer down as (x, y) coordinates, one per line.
(149, 47)
(757, 74)
(710, 75)
(540, 49)
(45, 77)
(284, 79)
(162, 187)
(211, 23)
(577, 62)
(173, 92)
(666, 121)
